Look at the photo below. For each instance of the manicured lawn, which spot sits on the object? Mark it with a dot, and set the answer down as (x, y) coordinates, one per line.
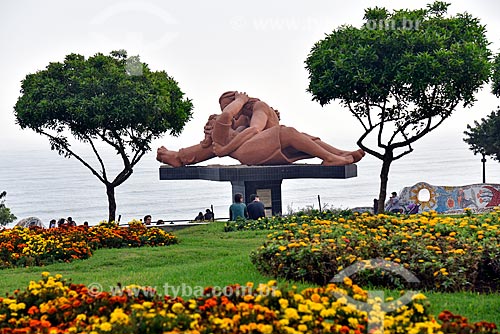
(206, 256)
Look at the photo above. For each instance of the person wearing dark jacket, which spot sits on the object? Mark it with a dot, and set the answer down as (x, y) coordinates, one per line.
(255, 208)
(209, 215)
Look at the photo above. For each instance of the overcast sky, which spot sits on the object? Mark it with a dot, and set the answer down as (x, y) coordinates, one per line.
(209, 47)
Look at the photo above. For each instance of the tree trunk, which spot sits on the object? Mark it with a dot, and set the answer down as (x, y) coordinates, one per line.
(384, 177)
(110, 191)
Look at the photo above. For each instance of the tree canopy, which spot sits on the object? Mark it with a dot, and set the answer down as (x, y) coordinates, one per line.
(114, 99)
(6, 216)
(484, 137)
(401, 74)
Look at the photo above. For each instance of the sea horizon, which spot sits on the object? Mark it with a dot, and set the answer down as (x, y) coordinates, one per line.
(42, 184)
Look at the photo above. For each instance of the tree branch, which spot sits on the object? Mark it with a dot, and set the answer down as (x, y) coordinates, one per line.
(365, 148)
(122, 150)
(98, 157)
(357, 116)
(381, 128)
(71, 153)
(122, 177)
(137, 157)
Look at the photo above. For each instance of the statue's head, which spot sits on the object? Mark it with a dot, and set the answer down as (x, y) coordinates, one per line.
(226, 98)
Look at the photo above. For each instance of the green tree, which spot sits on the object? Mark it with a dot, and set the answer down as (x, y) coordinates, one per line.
(111, 99)
(484, 137)
(401, 74)
(5, 215)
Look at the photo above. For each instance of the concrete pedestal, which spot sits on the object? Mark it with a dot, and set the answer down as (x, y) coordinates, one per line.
(264, 181)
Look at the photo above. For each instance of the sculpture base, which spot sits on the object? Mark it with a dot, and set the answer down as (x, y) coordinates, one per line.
(264, 181)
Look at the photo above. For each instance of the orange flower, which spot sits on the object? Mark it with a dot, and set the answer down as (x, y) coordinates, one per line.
(33, 309)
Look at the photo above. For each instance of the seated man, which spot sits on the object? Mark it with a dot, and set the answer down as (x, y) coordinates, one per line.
(249, 131)
(255, 208)
(208, 215)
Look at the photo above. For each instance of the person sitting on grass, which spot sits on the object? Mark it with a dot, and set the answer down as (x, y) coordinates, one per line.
(200, 217)
(238, 209)
(209, 215)
(256, 208)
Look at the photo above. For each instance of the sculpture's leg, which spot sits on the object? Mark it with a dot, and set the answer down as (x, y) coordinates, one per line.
(357, 155)
(185, 156)
(168, 157)
(290, 137)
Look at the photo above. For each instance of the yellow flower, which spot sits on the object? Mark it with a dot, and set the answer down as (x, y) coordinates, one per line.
(298, 298)
(178, 308)
(302, 328)
(248, 298)
(276, 293)
(347, 281)
(119, 316)
(284, 322)
(16, 307)
(353, 322)
(265, 329)
(8, 301)
(147, 304)
(291, 313)
(106, 326)
(419, 308)
(283, 303)
(304, 309)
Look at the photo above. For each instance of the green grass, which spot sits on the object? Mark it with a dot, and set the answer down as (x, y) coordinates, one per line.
(207, 256)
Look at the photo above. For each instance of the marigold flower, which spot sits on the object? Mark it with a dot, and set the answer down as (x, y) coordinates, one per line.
(178, 308)
(302, 328)
(106, 327)
(291, 313)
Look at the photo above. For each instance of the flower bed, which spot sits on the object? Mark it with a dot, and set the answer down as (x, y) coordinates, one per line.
(445, 253)
(53, 305)
(37, 246)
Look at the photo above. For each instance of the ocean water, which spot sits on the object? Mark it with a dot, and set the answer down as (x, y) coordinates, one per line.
(43, 184)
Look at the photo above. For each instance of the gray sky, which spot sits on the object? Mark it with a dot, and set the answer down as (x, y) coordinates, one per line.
(209, 47)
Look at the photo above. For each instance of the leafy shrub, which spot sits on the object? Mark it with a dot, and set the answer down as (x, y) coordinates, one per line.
(37, 246)
(445, 253)
(277, 223)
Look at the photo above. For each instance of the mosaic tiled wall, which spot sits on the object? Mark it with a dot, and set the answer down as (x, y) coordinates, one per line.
(447, 198)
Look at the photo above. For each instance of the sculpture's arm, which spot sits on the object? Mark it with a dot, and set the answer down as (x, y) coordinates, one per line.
(233, 108)
(258, 123)
(238, 140)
